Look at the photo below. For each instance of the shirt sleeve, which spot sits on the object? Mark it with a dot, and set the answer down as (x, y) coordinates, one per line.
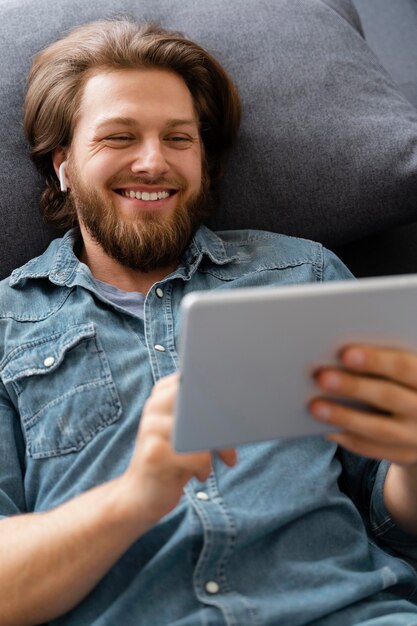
(12, 495)
(334, 268)
(363, 480)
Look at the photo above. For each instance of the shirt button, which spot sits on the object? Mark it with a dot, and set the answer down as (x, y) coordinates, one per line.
(159, 348)
(212, 587)
(159, 292)
(202, 495)
(49, 361)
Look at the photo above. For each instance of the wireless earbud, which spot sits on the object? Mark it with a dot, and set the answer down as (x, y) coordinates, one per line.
(61, 174)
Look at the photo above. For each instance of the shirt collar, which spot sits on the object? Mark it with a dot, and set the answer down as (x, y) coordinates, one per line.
(60, 264)
(206, 242)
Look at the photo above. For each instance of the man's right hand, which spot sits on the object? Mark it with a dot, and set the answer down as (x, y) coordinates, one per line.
(157, 474)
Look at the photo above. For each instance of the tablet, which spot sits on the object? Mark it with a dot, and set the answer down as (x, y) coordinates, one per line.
(247, 355)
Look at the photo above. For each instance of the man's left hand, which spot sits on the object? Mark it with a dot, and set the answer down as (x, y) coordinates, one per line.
(386, 381)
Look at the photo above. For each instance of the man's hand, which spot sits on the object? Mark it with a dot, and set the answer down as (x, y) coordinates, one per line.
(157, 474)
(386, 381)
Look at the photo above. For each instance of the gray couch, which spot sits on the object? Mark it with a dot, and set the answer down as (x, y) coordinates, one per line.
(390, 29)
(328, 146)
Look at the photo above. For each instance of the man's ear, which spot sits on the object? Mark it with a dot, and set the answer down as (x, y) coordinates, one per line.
(59, 161)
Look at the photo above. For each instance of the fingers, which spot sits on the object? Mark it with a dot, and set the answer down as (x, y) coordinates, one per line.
(158, 410)
(164, 393)
(155, 434)
(403, 456)
(385, 381)
(367, 434)
(380, 393)
(229, 456)
(198, 464)
(380, 429)
(398, 365)
(155, 451)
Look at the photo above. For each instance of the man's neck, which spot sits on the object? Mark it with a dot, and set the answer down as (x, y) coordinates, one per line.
(108, 270)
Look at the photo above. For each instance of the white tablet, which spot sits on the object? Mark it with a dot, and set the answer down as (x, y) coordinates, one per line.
(247, 355)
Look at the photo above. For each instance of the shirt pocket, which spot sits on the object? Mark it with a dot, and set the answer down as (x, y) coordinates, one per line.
(64, 390)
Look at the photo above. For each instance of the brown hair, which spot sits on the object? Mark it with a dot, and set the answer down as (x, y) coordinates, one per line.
(59, 73)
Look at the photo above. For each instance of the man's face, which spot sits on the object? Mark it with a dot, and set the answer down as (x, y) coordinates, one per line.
(135, 168)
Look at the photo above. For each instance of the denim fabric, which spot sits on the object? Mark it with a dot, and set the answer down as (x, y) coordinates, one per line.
(287, 534)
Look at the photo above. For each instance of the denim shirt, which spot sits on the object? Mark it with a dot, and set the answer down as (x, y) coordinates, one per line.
(290, 536)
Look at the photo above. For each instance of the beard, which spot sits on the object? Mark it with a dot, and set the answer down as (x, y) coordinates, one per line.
(148, 242)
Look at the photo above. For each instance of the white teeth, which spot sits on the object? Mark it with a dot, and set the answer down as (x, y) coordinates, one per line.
(146, 195)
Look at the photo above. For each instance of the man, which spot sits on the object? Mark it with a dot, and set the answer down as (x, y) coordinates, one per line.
(104, 523)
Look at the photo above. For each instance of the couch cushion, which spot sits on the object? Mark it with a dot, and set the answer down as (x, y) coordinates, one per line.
(391, 32)
(328, 146)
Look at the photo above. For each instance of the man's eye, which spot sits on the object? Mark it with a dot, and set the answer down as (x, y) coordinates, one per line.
(179, 141)
(118, 138)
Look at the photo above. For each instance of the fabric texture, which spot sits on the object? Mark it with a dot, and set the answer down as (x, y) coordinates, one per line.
(391, 32)
(282, 541)
(328, 146)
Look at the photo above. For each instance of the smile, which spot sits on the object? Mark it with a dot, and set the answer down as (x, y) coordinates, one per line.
(146, 195)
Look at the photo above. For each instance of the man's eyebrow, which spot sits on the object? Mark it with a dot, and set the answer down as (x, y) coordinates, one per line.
(122, 121)
(182, 122)
(130, 122)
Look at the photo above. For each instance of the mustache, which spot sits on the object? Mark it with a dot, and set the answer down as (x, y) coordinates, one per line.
(125, 181)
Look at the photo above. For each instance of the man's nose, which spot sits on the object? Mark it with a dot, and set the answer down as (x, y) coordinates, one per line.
(150, 159)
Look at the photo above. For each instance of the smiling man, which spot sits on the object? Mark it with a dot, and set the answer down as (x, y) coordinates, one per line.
(135, 171)
(103, 523)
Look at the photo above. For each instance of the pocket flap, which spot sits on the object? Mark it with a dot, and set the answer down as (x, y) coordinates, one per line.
(43, 355)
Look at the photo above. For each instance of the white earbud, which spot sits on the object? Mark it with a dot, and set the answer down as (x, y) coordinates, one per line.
(61, 174)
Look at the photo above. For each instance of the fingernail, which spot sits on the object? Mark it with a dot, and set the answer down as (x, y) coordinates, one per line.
(330, 380)
(354, 357)
(321, 411)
